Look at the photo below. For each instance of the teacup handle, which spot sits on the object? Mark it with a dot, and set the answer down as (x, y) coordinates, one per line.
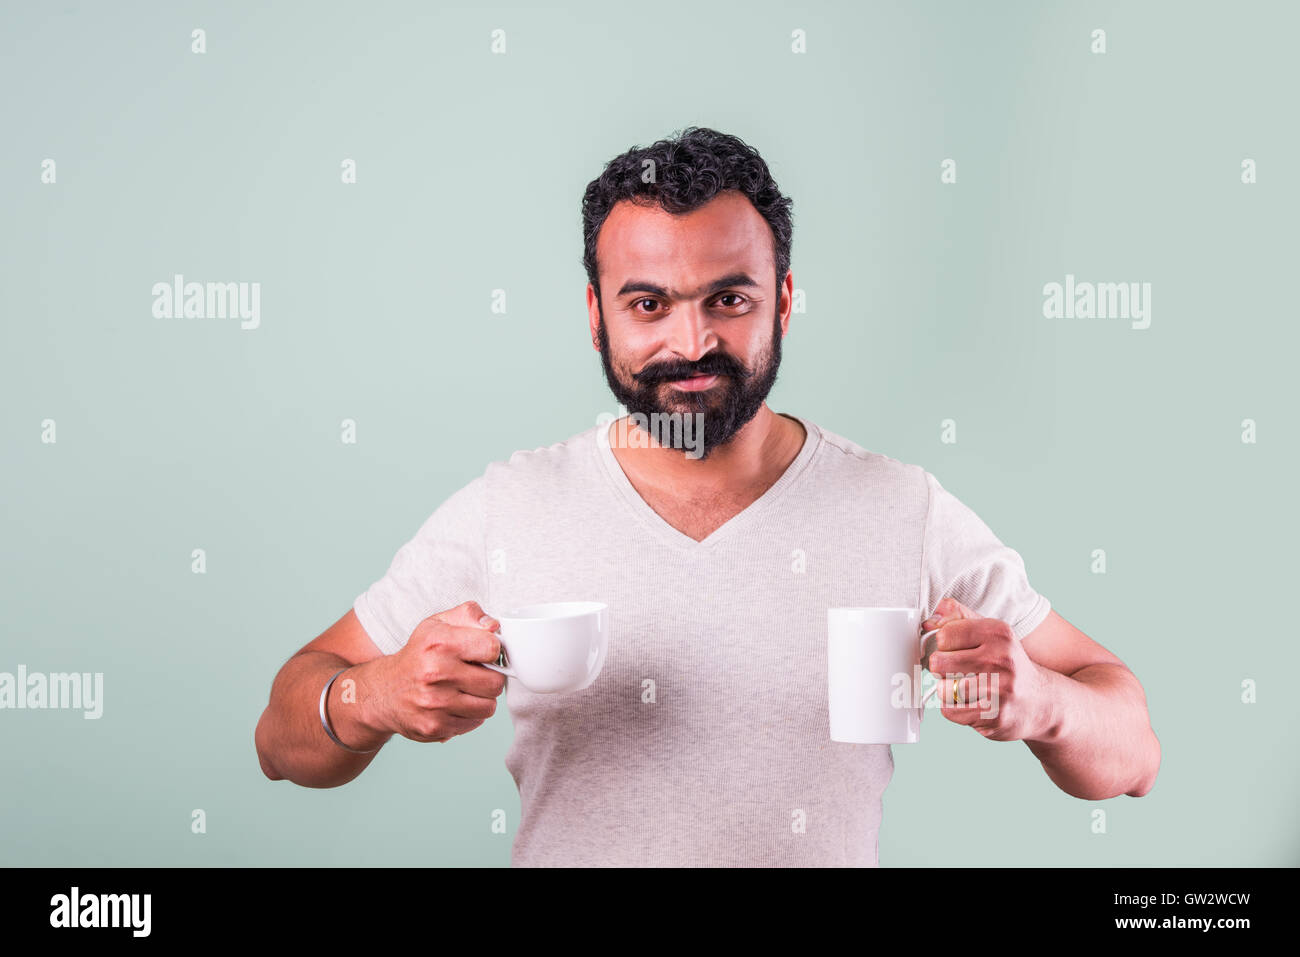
(935, 687)
(502, 664)
(598, 665)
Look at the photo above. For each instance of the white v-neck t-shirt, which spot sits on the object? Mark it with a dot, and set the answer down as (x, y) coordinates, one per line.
(706, 734)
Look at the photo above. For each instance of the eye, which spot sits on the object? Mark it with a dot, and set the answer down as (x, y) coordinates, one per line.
(740, 300)
(639, 301)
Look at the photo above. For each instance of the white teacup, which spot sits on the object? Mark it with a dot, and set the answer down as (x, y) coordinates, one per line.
(559, 646)
(874, 659)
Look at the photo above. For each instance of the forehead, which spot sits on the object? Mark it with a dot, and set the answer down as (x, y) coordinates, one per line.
(723, 235)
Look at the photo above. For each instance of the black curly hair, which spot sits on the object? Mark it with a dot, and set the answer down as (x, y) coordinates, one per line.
(689, 169)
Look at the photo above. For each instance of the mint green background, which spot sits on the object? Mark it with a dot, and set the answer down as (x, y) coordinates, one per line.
(924, 303)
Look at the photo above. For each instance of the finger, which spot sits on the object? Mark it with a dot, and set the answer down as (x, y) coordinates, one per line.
(472, 706)
(472, 678)
(456, 725)
(947, 608)
(468, 613)
(974, 697)
(962, 661)
(963, 711)
(936, 620)
(474, 643)
(958, 633)
(451, 727)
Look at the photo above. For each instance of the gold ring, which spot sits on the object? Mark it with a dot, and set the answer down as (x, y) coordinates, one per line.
(955, 683)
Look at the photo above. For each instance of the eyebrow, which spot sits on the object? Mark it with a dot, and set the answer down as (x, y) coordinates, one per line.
(733, 279)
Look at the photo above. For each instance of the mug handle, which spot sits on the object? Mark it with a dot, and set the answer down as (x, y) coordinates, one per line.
(935, 687)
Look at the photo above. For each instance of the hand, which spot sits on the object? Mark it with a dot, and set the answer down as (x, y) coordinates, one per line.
(1002, 691)
(432, 689)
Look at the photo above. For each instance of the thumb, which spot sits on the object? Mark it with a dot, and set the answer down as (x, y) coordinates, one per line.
(468, 615)
(948, 609)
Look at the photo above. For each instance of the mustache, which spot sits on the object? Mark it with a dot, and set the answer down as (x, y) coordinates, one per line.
(715, 363)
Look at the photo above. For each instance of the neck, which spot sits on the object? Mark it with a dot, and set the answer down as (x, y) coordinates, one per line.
(768, 442)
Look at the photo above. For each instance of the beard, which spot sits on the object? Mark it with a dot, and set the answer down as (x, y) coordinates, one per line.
(726, 406)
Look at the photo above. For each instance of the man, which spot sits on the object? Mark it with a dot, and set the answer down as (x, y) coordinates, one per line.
(707, 728)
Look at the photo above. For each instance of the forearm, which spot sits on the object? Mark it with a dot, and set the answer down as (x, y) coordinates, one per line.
(1098, 741)
(291, 744)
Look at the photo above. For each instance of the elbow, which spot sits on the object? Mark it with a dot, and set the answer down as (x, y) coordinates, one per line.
(1144, 788)
(263, 758)
(1148, 780)
(269, 769)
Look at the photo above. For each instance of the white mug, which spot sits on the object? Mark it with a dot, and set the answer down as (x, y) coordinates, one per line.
(553, 647)
(874, 671)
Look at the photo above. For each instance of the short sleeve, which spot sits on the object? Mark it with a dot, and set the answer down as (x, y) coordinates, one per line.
(440, 568)
(964, 560)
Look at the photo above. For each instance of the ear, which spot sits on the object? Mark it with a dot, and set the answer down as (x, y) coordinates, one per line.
(593, 316)
(786, 295)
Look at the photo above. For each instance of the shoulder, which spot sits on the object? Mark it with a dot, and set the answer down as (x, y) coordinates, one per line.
(854, 461)
(559, 461)
(518, 478)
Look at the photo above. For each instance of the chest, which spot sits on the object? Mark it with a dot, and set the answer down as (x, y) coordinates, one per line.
(738, 628)
(734, 625)
(699, 516)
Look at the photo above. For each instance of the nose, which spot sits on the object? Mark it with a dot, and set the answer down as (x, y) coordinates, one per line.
(690, 335)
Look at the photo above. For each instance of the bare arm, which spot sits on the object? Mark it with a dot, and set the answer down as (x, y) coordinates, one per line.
(433, 689)
(1102, 744)
(1097, 741)
(1076, 706)
(290, 740)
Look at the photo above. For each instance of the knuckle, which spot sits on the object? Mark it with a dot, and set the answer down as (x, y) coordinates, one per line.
(442, 618)
(440, 696)
(434, 670)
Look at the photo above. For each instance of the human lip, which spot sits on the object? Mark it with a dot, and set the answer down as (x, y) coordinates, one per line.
(695, 383)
